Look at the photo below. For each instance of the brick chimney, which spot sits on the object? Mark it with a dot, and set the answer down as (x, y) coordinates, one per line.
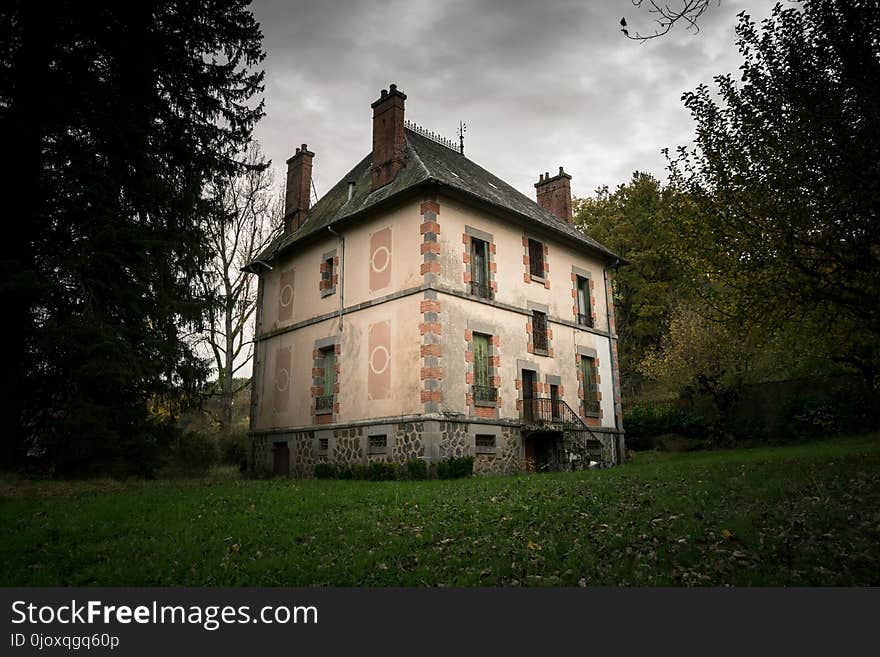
(554, 194)
(298, 198)
(388, 140)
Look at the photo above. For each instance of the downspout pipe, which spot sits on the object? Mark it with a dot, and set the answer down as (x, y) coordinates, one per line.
(611, 337)
(341, 273)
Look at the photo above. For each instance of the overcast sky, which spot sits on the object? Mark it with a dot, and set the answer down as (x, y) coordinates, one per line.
(539, 84)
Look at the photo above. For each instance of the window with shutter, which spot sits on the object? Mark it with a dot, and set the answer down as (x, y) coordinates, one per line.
(536, 258)
(324, 403)
(480, 286)
(588, 375)
(539, 331)
(483, 391)
(585, 313)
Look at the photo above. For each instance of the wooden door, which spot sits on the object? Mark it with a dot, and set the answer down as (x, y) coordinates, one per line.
(281, 459)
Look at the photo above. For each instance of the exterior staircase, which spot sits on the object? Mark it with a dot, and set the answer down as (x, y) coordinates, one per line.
(579, 446)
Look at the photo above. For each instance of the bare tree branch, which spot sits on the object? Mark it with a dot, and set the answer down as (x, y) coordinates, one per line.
(248, 219)
(666, 16)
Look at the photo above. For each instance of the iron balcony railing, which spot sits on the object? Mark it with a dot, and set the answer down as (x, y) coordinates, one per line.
(324, 403)
(544, 412)
(485, 394)
(591, 406)
(481, 290)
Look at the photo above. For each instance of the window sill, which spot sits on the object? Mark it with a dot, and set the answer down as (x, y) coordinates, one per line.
(484, 403)
(538, 279)
(542, 352)
(377, 450)
(328, 292)
(486, 450)
(592, 414)
(326, 411)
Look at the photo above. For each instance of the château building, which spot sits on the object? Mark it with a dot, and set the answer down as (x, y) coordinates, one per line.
(424, 308)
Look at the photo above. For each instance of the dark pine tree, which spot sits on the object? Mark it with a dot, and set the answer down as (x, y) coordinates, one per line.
(117, 115)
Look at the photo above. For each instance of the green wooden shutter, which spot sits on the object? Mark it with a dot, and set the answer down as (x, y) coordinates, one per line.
(479, 262)
(588, 373)
(583, 293)
(481, 360)
(329, 371)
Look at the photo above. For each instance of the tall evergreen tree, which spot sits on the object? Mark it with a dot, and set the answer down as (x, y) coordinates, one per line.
(117, 115)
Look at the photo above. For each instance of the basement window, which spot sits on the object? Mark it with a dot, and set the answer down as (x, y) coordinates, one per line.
(485, 443)
(378, 444)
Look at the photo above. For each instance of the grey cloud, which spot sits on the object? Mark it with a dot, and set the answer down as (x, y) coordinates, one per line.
(539, 84)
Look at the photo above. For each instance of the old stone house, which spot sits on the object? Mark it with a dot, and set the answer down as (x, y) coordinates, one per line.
(425, 308)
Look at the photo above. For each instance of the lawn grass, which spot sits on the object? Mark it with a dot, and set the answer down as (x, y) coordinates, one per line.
(796, 515)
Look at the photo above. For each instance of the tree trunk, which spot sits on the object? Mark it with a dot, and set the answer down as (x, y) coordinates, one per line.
(226, 377)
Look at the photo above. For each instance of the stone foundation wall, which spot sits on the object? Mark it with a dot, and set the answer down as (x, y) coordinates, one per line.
(347, 447)
(453, 439)
(302, 461)
(612, 445)
(508, 458)
(408, 443)
(430, 440)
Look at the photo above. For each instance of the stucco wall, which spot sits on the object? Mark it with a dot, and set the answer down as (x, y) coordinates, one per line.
(354, 398)
(461, 315)
(398, 262)
(384, 256)
(510, 269)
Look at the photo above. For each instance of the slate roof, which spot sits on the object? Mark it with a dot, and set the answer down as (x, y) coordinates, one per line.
(427, 162)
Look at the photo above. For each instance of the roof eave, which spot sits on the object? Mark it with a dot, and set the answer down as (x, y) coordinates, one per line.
(525, 220)
(314, 235)
(405, 194)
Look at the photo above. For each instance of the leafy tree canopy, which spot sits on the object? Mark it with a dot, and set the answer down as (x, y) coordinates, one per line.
(630, 221)
(785, 174)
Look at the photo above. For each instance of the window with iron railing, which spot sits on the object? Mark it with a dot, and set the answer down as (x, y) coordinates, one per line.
(536, 258)
(480, 283)
(555, 402)
(539, 331)
(485, 394)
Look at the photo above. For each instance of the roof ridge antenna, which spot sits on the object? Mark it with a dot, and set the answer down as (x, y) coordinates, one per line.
(462, 128)
(439, 139)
